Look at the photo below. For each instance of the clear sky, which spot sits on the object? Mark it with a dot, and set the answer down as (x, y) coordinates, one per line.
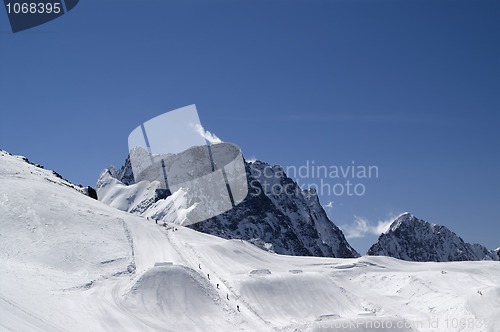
(412, 87)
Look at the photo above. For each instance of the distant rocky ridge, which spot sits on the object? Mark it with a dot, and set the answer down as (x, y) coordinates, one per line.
(413, 239)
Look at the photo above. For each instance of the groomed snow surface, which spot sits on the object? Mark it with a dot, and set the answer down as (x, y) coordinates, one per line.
(71, 263)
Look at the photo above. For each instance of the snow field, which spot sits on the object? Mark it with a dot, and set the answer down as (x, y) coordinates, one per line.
(70, 263)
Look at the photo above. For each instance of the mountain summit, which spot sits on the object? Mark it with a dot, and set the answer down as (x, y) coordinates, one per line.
(289, 221)
(412, 239)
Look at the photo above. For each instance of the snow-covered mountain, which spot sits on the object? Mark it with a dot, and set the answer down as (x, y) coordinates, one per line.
(71, 263)
(290, 221)
(413, 239)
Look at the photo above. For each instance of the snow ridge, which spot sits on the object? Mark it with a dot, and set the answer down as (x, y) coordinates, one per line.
(37, 169)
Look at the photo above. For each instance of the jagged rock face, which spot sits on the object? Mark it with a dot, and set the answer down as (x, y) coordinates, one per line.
(125, 174)
(482, 253)
(413, 239)
(289, 221)
(279, 216)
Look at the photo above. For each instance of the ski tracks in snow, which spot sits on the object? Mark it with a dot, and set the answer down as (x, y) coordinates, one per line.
(195, 260)
(15, 317)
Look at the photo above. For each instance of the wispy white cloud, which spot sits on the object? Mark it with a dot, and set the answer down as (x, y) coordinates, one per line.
(361, 227)
(383, 225)
(212, 138)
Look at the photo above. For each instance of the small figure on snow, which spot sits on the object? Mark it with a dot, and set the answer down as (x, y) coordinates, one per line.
(199, 266)
(217, 286)
(238, 307)
(227, 296)
(208, 275)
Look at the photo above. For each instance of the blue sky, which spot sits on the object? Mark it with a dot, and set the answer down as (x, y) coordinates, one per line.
(412, 87)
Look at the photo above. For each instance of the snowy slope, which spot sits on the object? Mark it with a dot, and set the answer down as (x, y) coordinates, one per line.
(71, 263)
(413, 239)
(288, 220)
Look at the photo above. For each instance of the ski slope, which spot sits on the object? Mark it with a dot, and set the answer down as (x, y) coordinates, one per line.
(71, 263)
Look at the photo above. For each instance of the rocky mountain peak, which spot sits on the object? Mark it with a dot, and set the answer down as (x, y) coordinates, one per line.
(413, 239)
